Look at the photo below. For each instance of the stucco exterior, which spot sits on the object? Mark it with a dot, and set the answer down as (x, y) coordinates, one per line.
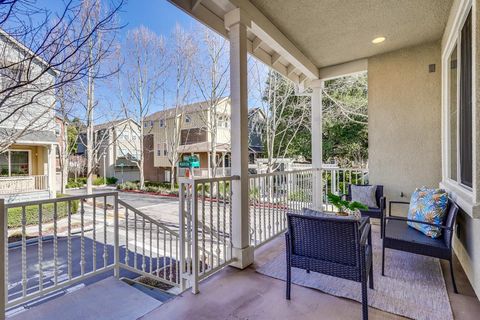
(404, 120)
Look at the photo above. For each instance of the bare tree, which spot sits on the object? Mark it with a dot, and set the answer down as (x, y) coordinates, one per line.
(212, 83)
(140, 83)
(182, 52)
(346, 99)
(285, 111)
(41, 53)
(99, 48)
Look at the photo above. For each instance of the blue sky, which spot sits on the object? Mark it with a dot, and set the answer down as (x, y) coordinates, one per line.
(158, 15)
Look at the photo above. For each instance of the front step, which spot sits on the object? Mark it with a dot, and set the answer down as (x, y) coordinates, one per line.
(107, 299)
(156, 293)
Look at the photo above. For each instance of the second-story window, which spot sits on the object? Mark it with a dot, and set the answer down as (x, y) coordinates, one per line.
(188, 119)
(145, 125)
(161, 123)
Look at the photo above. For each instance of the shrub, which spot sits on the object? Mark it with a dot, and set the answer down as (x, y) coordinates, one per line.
(31, 212)
(111, 180)
(165, 185)
(75, 184)
(129, 185)
(99, 181)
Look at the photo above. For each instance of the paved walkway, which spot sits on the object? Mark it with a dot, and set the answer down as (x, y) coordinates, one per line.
(107, 299)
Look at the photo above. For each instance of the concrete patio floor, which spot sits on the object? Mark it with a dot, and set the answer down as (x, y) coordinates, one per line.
(246, 294)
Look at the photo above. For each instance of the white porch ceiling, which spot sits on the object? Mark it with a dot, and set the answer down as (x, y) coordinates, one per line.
(333, 32)
(297, 38)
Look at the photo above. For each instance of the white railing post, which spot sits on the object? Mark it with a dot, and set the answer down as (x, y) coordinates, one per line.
(116, 231)
(3, 259)
(181, 236)
(194, 237)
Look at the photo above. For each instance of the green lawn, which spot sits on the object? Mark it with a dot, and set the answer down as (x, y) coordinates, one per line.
(31, 213)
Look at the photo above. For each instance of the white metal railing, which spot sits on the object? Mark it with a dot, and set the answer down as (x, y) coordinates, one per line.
(203, 172)
(206, 225)
(21, 184)
(149, 247)
(60, 242)
(336, 181)
(274, 194)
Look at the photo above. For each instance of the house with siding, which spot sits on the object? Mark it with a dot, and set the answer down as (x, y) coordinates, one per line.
(27, 125)
(117, 149)
(196, 138)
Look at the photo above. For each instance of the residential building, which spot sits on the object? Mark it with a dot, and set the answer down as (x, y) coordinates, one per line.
(196, 138)
(117, 149)
(27, 124)
(256, 128)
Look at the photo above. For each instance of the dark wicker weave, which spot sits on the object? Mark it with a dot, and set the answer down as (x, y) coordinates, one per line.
(377, 213)
(399, 236)
(336, 246)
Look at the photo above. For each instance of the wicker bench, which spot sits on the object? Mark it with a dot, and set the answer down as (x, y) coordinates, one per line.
(335, 246)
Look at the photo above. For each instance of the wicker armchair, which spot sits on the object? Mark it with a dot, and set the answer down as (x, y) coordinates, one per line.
(399, 236)
(335, 246)
(377, 213)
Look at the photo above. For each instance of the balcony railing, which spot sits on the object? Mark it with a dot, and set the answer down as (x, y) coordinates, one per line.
(203, 172)
(60, 242)
(274, 194)
(206, 226)
(336, 181)
(21, 184)
(79, 237)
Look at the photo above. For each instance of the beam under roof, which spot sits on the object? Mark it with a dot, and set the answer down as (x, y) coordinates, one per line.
(268, 44)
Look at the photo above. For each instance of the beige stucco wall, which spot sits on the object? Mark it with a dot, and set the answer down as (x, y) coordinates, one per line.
(404, 115)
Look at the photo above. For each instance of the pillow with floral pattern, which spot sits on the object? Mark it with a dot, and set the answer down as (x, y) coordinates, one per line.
(429, 205)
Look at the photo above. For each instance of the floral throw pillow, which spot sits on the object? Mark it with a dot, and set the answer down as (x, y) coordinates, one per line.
(429, 205)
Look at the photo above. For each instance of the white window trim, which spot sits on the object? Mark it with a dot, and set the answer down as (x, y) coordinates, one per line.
(10, 161)
(463, 195)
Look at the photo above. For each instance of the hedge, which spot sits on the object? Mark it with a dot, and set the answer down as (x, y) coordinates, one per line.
(31, 213)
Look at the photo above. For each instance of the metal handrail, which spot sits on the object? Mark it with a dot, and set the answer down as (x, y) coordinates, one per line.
(62, 199)
(149, 219)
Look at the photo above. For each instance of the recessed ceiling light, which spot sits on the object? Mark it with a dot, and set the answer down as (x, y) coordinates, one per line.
(378, 40)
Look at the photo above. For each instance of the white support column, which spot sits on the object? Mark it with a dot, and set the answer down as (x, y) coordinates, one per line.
(51, 174)
(317, 87)
(237, 24)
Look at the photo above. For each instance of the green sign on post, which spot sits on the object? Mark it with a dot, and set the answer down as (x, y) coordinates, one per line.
(190, 162)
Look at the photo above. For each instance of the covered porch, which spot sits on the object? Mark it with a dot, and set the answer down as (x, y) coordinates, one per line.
(224, 237)
(27, 169)
(421, 106)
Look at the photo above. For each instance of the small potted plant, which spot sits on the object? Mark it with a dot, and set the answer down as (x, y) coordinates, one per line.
(345, 207)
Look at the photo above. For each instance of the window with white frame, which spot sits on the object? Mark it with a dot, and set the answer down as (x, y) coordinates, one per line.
(161, 123)
(165, 149)
(15, 163)
(188, 119)
(459, 90)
